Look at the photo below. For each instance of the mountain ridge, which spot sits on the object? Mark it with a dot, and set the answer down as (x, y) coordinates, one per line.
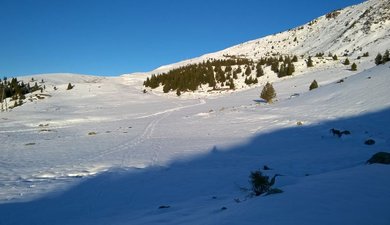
(350, 31)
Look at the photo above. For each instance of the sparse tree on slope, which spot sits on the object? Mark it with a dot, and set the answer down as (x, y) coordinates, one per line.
(70, 86)
(353, 67)
(309, 62)
(313, 85)
(386, 57)
(248, 71)
(231, 84)
(268, 93)
(378, 59)
(259, 70)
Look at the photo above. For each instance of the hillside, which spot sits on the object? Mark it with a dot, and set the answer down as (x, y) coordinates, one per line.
(357, 33)
(98, 159)
(352, 31)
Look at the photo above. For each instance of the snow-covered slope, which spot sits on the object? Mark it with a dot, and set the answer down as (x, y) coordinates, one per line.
(178, 161)
(104, 152)
(351, 32)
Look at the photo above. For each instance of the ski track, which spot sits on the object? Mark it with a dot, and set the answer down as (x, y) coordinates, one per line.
(131, 157)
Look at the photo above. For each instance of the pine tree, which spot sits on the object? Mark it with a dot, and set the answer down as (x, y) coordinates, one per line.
(178, 93)
(231, 84)
(268, 93)
(248, 71)
(166, 88)
(386, 57)
(353, 67)
(275, 66)
(259, 71)
(378, 59)
(239, 70)
(295, 59)
(235, 75)
(313, 85)
(70, 86)
(309, 62)
(346, 62)
(228, 68)
(282, 71)
(335, 57)
(290, 69)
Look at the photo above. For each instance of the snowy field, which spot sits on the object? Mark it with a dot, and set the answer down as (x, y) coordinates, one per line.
(106, 153)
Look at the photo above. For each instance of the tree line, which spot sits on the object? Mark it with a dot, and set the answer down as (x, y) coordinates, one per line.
(217, 74)
(16, 90)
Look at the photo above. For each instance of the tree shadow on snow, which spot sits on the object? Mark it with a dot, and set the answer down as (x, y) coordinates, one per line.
(137, 193)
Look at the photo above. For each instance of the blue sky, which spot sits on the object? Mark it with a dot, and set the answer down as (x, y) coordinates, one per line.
(113, 37)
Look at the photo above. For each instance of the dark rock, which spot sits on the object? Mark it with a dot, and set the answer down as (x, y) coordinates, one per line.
(369, 142)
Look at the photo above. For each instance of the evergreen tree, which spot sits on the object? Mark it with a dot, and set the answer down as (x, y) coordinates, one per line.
(239, 70)
(386, 57)
(335, 57)
(228, 68)
(70, 86)
(353, 67)
(235, 75)
(259, 71)
(313, 85)
(178, 93)
(268, 93)
(295, 58)
(282, 71)
(378, 59)
(309, 62)
(248, 71)
(346, 62)
(275, 66)
(231, 84)
(166, 88)
(290, 69)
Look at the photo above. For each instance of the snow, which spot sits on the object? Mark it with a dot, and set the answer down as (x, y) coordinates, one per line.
(195, 155)
(107, 153)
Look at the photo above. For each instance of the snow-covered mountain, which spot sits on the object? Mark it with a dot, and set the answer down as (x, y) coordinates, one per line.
(104, 152)
(351, 32)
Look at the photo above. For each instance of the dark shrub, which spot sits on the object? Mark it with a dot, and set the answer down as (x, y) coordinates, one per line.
(260, 183)
(380, 157)
(313, 85)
